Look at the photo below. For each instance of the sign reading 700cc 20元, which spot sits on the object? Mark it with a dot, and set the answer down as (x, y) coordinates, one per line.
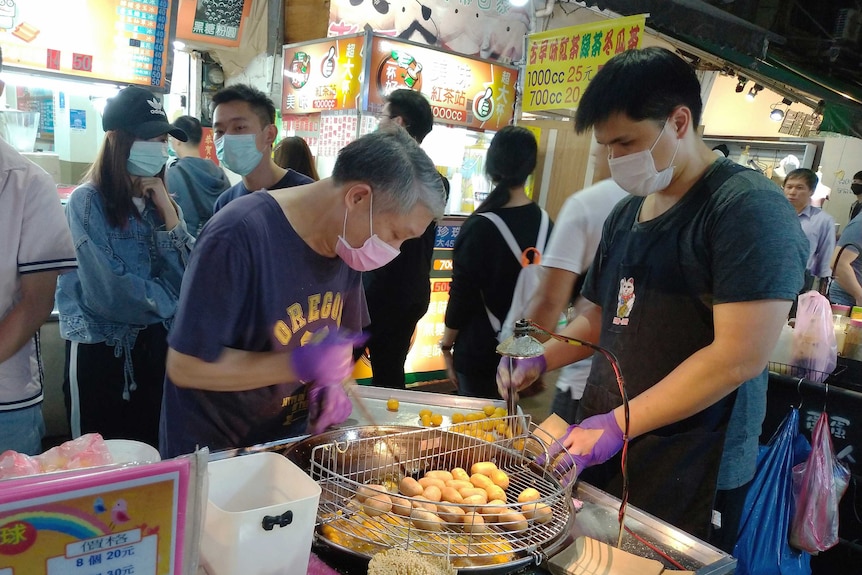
(560, 63)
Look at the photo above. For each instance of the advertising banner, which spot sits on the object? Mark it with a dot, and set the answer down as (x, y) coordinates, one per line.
(560, 63)
(462, 91)
(217, 22)
(322, 75)
(491, 30)
(120, 41)
(119, 521)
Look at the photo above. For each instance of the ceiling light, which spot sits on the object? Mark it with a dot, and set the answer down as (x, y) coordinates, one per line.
(740, 86)
(518, 3)
(777, 114)
(753, 92)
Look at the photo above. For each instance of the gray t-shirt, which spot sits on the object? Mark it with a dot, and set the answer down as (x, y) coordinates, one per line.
(743, 244)
(852, 238)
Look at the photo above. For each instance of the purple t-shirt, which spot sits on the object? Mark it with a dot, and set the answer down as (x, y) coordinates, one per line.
(252, 284)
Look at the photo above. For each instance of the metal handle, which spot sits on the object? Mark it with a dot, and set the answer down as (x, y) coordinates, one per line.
(283, 520)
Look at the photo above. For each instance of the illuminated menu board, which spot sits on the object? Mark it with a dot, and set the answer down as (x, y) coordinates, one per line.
(462, 91)
(120, 41)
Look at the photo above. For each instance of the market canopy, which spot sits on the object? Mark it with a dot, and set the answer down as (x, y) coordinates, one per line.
(812, 51)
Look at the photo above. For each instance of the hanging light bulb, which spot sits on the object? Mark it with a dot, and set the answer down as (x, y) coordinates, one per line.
(776, 114)
(753, 92)
(740, 86)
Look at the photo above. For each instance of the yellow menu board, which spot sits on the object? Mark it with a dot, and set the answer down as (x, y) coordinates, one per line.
(322, 75)
(561, 62)
(120, 41)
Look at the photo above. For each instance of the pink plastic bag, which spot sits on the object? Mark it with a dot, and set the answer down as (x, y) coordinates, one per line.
(89, 450)
(818, 485)
(815, 350)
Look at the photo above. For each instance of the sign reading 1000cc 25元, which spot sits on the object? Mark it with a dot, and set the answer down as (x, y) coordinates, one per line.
(560, 63)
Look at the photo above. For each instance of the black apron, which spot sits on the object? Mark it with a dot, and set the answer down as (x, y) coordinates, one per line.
(653, 322)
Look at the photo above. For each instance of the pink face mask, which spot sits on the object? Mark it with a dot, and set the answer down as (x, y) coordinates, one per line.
(374, 253)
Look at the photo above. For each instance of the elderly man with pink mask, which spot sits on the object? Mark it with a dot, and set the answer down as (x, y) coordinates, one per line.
(272, 304)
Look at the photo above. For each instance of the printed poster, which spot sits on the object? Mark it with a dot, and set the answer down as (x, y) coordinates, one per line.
(217, 22)
(560, 63)
(487, 29)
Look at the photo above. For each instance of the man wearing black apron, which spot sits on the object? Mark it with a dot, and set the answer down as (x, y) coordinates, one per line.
(690, 286)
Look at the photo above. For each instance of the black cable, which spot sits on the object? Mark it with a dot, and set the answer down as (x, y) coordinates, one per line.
(615, 365)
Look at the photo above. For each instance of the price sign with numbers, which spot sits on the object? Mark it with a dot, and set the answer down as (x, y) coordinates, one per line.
(121, 41)
(126, 520)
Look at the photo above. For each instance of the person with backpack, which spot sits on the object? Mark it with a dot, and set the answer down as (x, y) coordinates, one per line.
(195, 182)
(486, 267)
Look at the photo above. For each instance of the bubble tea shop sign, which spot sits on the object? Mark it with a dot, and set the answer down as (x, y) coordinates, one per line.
(462, 91)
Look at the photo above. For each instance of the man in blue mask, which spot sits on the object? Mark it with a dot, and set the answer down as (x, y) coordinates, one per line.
(272, 301)
(689, 289)
(244, 130)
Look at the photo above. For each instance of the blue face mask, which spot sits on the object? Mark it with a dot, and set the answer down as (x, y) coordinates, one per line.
(238, 153)
(147, 158)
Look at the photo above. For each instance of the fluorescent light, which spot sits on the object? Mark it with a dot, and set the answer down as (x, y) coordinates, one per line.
(518, 3)
(45, 82)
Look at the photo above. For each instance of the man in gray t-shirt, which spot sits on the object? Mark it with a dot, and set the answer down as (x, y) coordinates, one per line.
(847, 287)
(689, 289)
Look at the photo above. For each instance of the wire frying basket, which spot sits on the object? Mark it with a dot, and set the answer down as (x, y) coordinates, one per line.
(360, 478)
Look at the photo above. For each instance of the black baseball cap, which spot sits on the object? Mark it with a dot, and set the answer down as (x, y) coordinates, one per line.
(139, 112)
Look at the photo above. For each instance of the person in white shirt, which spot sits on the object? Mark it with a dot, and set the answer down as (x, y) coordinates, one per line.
(35, 248)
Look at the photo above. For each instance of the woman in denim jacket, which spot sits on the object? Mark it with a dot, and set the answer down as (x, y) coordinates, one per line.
(132, 247)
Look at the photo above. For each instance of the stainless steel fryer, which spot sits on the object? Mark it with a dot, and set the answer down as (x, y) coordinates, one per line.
(342, 466)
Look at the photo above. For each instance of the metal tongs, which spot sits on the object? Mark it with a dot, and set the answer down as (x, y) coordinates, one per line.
(520, 346)
(512, 399)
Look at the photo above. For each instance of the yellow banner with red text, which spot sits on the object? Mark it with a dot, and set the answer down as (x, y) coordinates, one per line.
(560, 63)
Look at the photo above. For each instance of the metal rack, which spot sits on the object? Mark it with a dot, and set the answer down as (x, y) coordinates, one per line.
(342, 468)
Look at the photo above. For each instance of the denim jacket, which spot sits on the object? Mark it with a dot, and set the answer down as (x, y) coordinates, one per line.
(127, 278)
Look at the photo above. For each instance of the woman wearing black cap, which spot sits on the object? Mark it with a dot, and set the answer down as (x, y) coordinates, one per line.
(132, 246)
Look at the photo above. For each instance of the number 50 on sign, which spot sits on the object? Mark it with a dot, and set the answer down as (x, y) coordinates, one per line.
(560, 63)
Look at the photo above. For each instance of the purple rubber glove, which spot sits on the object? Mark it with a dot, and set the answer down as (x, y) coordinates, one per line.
(327, 405)
(608, 444)
(328, 360)
(523, 373)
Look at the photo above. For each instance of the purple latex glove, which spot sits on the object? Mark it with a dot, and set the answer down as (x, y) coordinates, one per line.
(328, 360)
(523, 373)
(327, 405)
(608, 444)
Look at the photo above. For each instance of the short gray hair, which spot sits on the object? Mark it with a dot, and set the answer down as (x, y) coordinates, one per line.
(397, 169)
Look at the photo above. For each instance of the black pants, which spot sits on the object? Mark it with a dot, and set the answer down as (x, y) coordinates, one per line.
(99, 378)
(730, 504)
(389, 344)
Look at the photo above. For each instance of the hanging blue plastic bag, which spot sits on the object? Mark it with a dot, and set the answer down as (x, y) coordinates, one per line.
(763, 546)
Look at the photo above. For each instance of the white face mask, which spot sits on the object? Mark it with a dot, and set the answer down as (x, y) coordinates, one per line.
(636, 173)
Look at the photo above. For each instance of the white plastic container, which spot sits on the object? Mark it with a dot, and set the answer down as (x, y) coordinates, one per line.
(260, 516)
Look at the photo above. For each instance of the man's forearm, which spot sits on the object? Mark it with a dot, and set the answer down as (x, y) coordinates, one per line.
(28, 315)
(234, 370)
(585, 327)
